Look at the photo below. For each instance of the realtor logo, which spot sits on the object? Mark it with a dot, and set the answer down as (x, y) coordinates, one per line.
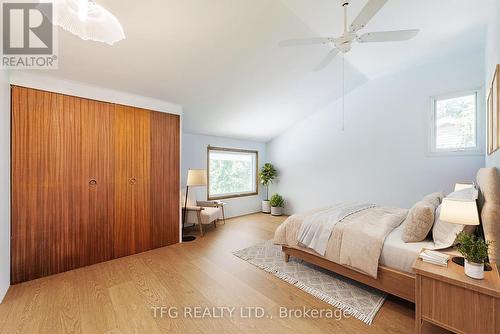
(28, 36)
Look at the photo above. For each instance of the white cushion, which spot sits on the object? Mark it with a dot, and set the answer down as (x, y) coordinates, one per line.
(208, 216)
(445, 234)
(468, 194)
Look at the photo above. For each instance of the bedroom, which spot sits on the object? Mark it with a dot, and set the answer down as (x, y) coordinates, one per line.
(137, 138)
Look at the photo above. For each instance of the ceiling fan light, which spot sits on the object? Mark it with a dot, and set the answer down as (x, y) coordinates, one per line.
(87, 20)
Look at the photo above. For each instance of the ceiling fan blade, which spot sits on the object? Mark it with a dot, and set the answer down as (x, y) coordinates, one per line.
(327, 60)
(367, 13)
(388, 36)
(306, 41)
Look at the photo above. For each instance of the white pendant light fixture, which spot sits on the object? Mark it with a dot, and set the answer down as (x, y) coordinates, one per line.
(87, 20)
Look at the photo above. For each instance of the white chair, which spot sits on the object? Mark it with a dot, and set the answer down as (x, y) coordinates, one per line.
(197, 214)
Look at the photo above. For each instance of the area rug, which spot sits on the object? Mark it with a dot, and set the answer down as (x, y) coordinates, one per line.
(353, 298)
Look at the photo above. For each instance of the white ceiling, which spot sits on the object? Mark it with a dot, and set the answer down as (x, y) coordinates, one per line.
(446, 26)
(220, 59)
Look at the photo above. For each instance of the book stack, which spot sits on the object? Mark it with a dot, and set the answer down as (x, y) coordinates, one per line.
(434, 257)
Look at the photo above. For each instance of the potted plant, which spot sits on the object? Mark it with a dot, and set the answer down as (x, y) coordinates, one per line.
(267, 174)
(475, 252)
(277, 202)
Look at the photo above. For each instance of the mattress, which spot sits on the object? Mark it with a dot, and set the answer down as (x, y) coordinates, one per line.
(397, 254)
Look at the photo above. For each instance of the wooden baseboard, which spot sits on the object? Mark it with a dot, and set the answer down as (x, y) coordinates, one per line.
(255, 213)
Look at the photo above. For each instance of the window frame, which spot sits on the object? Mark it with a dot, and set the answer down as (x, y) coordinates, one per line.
(233, 150)
(432, 131)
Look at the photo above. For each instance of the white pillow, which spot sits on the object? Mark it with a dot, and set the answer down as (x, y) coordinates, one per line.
(445, 234)
(468, 194)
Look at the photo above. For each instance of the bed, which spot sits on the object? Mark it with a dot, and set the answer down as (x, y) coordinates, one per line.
(393, 273)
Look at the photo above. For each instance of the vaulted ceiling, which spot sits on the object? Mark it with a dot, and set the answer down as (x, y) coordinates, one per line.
(221, 61)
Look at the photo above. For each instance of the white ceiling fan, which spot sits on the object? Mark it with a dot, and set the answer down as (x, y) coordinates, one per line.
(344, 43)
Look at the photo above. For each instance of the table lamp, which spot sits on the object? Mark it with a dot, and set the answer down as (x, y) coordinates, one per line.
(462, 212)
(459, 212)
(195, 178)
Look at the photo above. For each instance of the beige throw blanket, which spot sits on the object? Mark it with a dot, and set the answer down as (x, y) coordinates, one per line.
(316, 229)
(356, 241)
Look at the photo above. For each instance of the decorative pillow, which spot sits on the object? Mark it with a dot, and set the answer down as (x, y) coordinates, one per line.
(419, 221)
(468, 194)
(445, 234)
(435, 199)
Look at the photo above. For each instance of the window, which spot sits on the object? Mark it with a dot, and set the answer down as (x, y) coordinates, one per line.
(231, 172)
(455, 124)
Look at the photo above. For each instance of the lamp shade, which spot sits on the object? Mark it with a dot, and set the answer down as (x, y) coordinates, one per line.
(459, 212)
(197, 177)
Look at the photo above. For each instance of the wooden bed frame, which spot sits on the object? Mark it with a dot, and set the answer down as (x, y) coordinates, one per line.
(402, 284)
(389, 280)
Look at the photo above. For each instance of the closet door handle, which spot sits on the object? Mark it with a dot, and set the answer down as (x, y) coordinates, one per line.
(132, 181)
(93, 182)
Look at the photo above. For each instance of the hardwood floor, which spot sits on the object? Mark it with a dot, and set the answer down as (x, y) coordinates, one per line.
(119, 296)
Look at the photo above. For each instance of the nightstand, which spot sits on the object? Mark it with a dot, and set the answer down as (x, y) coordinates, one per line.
(447, 300)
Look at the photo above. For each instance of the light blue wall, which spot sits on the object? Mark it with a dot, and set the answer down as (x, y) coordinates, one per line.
(382, 154)
(194, 156)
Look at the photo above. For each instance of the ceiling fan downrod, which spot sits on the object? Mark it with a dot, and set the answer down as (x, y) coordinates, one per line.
(344, 5)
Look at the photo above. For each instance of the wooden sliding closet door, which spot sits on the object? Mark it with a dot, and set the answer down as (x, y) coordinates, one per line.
(132, 226)
(34, 252)
(91, 181)
(165, 157)
(61, 177)
(97, 181)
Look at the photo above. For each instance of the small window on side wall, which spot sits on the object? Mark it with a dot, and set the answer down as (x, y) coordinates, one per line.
(455, 124)
(231, 172)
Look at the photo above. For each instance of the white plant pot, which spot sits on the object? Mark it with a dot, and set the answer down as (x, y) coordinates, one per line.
(266, 207)
(278, 211)
(474, 270)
